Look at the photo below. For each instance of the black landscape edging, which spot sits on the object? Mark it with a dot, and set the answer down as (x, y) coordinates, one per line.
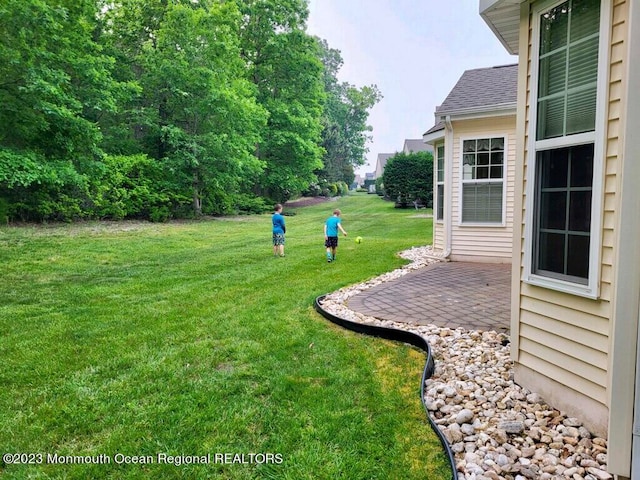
(399, 336)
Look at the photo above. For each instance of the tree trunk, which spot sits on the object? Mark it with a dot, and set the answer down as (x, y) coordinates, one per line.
(197, 200)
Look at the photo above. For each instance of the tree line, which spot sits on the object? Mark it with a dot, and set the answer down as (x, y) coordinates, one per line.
(159, 109)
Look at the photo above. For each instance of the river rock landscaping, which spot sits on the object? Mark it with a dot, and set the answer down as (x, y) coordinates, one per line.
(496, 429)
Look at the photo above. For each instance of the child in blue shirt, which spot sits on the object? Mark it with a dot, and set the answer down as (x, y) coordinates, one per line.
(279, 230)
(331, 227)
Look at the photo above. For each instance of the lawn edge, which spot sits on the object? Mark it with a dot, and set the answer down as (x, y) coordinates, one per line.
(404, 337)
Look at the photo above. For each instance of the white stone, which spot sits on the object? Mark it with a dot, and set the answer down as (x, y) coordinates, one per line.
(465, 416)
(474, 373)
(599, 474)
(512, 426)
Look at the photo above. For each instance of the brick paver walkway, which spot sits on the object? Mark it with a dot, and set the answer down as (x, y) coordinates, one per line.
(454, 294)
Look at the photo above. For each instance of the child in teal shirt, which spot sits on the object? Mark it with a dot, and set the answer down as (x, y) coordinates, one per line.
(278, 231)
(331, 227)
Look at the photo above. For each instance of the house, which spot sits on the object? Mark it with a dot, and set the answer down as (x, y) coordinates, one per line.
(410, 146)
(381, 162)
(357, 181)
(414, 145)
(576, 260)
(370, 182)
(475, 143)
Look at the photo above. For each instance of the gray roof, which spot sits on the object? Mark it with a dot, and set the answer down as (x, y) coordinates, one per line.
(382, 161)
(383, 157)
(416, 145)
(482, 89)
(436, 128)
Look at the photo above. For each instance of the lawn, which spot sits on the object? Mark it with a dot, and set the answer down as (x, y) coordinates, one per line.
(164, 343)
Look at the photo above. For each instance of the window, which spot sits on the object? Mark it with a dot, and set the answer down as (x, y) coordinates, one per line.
(568, 69)
(564, 183)
(440, 182)
(564, 178)
(482, 180)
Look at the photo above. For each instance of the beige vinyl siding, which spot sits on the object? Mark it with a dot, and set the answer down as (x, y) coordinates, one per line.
(622, 162)
(522, 116)
(565, 337)
(476, 241)
(438, 234)
(613, 146)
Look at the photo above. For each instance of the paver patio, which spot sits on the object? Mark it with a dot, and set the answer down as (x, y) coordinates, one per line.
(474, 296)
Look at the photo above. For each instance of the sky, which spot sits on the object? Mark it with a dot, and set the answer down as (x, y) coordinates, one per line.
(414, 51)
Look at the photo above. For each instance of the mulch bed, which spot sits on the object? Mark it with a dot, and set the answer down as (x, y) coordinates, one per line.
(307, 201)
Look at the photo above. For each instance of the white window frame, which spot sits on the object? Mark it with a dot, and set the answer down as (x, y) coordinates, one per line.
(597, 137)
(438, 183)
(461, 181)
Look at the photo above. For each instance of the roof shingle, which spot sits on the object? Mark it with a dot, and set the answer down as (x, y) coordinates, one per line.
(482, 88)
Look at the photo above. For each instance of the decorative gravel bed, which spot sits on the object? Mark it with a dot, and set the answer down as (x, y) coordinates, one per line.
(496, 429)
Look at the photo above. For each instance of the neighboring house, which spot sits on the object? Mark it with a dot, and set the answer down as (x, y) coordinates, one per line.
(381, 162)
(576, 268)
(357, 181)
(412, 145)
(370, 182)
(474, 165)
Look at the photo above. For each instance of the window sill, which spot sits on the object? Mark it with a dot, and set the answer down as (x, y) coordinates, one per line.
(482, 225)
(563, 286)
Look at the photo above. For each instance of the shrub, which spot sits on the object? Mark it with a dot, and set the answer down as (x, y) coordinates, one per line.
(4, 211)
(59, 193)
(314, 190)
(379, 186)
(408, 178)
(343, 188)
(249, 204)
(159, 214)
(130, 186)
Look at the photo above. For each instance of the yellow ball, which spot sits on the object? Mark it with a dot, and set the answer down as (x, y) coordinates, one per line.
(358, 239)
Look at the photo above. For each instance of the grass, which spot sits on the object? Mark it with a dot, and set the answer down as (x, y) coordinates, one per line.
(190, 338)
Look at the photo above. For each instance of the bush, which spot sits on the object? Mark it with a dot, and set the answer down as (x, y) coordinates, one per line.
(314, 190)
(131, 187)
(4, 211)
(379, 186)
(343, 188)
(248, 204)
(57, 193)
(408, 178)
(159, 214)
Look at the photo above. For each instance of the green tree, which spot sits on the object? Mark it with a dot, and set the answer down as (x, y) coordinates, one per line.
(130, 108)
(408, 178)
(345, 131)
(284, 64)
(54, 78)
(211, 121)
(55, 81)
(197, 112)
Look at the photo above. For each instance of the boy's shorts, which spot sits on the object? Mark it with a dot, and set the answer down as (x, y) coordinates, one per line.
(331, 242)
(278, 238)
